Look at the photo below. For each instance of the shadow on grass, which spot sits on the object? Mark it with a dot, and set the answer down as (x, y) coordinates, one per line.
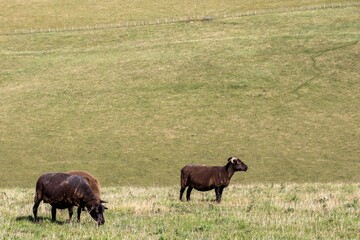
(30, 218)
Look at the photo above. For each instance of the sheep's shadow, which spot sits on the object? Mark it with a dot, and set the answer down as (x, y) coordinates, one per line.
(30, 218)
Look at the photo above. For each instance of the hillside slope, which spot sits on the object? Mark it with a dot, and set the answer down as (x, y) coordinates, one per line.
(133, 105)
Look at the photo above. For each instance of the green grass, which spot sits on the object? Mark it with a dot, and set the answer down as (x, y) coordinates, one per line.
(257, 211)
(133, 105)
(20, 14)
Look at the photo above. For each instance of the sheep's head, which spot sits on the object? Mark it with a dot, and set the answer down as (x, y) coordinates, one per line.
(97, 213)
(237, 164)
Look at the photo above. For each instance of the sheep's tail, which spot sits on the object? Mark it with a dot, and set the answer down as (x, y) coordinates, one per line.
(183, 179)
(38, 192)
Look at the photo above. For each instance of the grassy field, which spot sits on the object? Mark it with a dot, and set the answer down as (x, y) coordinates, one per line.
(21, 14)
(257, 211)
(133, 105)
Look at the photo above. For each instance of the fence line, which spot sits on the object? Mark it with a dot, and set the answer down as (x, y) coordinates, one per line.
(175, 20)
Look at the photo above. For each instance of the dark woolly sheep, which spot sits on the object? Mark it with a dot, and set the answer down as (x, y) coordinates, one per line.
(62, 190)
(205, 178)
(93, 182)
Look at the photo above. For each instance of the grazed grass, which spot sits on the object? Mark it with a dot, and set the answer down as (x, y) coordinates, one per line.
(257, 211)
(44, 14)
(132, 106)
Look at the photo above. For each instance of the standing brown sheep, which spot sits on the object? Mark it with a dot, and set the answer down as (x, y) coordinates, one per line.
(205, 178)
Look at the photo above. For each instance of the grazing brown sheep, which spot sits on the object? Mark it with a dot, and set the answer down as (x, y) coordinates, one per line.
(62, 190)
(93, 182)
(205, 178)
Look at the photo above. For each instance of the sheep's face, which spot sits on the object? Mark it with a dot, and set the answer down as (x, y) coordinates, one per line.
(237, 164)
(97, 213)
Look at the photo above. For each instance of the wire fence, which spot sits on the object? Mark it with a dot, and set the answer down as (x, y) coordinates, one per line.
(128, 24)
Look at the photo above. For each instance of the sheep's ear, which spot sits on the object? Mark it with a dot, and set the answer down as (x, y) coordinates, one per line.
(229, 159)
(102, 201)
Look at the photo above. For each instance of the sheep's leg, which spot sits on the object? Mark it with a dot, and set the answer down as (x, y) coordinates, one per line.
(35, 209)
(78, 213)
(218, 192)
(221, 191)
(53, 214)
(182, 192)
(70, 213)
(188, 192)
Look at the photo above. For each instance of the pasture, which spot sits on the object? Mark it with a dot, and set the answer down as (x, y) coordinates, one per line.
(133, 105)
(260, 211)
